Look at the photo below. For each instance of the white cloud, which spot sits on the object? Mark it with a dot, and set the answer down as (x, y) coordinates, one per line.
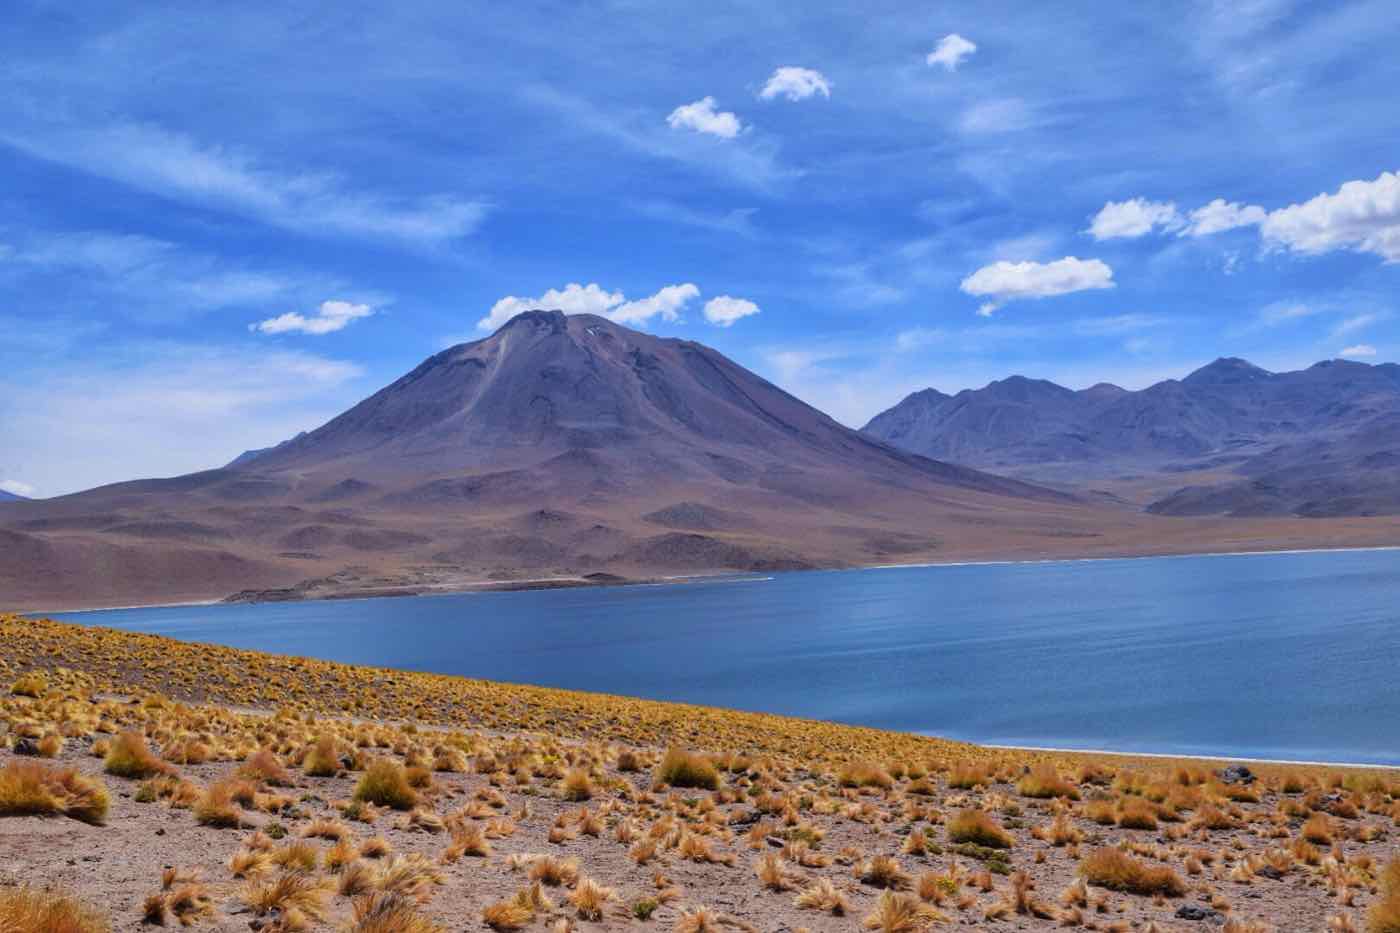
(795, 84)
(1002, 282)
(1358, 322)
(1281, 312)
(1001, 115)
(177, 166)
(1221, 215)
(724, 310)
(916, 338)
(702, 117)
(164, 409)
(1134, 218)
(330, 317)
(1362, 215)
(1359, 350)
(594, 299)
(16, 488)
(951, 51)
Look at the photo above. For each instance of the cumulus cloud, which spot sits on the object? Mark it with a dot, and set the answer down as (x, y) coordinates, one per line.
(1003, 281)
(951, 51)
(1134, 218)
(15, 488)
(795, 84)
(702, 117)
(1221, 215)
(330, 317)
(594, 299)
(724, 310)
(1357, 351)
(1363, 216)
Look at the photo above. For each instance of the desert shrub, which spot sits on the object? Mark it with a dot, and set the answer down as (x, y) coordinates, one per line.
(321, 759)
(1137, 813)
(263, 766)
(130, 757)
(389, 913)
(215, 807)
(576, 786)
(32, 788)
(1118, 871)
(977, 827)
(385, 784)
(28, 910)
(32, 684)
(687, 769)
(1044, 781)
(864, 774)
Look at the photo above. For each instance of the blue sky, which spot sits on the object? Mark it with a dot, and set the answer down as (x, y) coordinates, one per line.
(221, 224)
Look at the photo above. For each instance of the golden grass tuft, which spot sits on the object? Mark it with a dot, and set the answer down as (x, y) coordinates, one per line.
(901, 913)
(33, 685)
(687, 769)
(1118, 871)
(864, 774)
(385, 784)
(823, 896)
(979, 828)
(130, 757)
(577, 785)
(388, 913)
(1043, 782)
(32, 788)
(29, 910)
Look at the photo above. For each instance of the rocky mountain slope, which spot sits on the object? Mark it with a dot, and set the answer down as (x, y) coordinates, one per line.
(1229, 439)
(557, 447)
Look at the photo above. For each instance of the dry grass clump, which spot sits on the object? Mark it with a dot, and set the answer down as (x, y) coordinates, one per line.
(295, 896)
(130, 757)
(385, 784)
(589, 898)
(577, 786)
(264, 766)
(824, 896)
(388, 913)
(29, 910)
(901, 913)
(32, 684)
(1118, 871)
(979, 828)
(1043, 782)
(883, 871)
(320, 759)
(215, 807)
(864, 774)
(687, 769)
(1384, 915)
(31, 788)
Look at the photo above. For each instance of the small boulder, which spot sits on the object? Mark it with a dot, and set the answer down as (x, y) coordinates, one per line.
(1236, 774)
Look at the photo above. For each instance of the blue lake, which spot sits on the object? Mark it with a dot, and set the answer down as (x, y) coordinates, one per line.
(1292, 656)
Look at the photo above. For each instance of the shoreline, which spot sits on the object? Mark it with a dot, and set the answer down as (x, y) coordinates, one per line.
(1168, 756)
(552, 583)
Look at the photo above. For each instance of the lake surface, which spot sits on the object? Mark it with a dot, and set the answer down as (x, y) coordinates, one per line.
(1292, 656)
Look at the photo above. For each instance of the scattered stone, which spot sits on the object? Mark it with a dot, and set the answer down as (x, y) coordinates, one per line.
(1236, 774)
(1192, 912)
(1269, 871)
(26, 746)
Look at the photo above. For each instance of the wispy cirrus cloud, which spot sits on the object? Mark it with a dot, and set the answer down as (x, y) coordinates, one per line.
(180, 167)
(163, 408)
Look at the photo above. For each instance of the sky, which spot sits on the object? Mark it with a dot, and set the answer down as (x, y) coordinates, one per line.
(221, 224)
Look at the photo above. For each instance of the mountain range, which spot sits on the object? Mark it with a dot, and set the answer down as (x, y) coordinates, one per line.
(10, 497)
(569, 450)
(1229, 439)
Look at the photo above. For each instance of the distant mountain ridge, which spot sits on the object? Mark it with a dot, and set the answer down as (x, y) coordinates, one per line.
(11, 497)
(1321, 441)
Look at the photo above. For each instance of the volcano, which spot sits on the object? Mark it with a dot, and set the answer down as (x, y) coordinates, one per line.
(559, 450)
